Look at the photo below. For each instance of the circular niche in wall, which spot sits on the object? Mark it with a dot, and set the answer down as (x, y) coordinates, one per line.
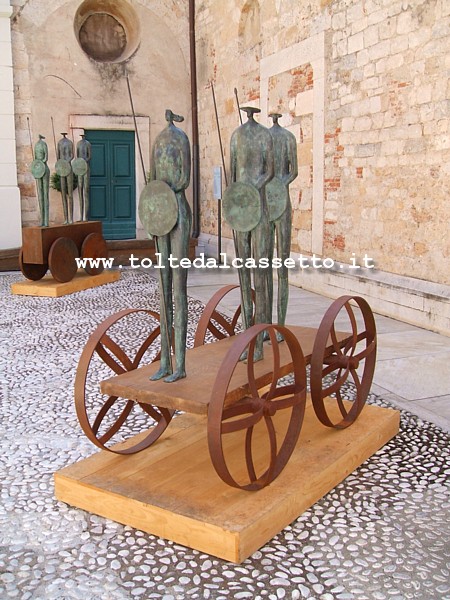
(107, 30)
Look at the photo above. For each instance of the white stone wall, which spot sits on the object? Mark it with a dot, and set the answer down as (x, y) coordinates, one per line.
(10, 215)
(55, 79)
(364, 86)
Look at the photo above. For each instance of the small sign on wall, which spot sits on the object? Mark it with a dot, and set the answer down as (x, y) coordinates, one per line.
(217, 183)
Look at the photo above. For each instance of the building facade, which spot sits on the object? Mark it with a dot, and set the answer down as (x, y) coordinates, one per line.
(362, 84)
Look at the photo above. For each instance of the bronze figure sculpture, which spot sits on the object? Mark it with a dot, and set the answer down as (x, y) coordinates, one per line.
(64, 154)
(41, 173)
(81, 167)
(280, 209)
(252, 164)
(171, 165)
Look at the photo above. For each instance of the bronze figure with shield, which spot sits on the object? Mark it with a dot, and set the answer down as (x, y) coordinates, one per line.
(280, 209)
(166, 215)
(81, 168)
(252, 167)
(41, 173)
(63, 168)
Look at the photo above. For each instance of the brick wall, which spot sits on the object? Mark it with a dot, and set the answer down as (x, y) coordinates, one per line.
(386, 141)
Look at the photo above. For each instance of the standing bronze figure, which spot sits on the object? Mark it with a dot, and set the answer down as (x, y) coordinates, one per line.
(280, 209)
(63, 168)
(171, 164)
(84, 152)
(41, 173)
(252, 164)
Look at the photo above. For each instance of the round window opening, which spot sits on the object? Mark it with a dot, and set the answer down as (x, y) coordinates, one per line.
(107, 31)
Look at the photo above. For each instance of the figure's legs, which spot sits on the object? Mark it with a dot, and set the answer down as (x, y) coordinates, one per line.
(64, 198)
(270, 254)
(86, 197)
(283, 227)
(179, 243)
(166, 308)
(45, 200)
(243, 250)
(81, 196)
(40, 194)
(70, 194)
(260, 239)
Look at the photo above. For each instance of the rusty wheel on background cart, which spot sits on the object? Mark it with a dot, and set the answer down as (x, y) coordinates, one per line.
(107, 353)
(61, 259)
(30, 270)
(351, 360)
(214, 322)
(94, 246)
(243, 426)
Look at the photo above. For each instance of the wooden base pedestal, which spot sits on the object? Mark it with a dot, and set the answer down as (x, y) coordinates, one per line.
(172, 490)
(48, 287)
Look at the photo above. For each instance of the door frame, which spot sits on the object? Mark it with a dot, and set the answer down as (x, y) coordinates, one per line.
(78, 123)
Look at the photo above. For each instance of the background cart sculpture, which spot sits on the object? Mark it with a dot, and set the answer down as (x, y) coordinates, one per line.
(56, 248)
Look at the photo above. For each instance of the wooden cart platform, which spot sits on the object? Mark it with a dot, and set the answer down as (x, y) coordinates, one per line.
(203, 363)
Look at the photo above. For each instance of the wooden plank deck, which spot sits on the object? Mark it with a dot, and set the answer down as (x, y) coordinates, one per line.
(192, 394)
(172, 490)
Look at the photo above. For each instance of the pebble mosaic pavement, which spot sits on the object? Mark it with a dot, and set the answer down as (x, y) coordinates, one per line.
(383, 533)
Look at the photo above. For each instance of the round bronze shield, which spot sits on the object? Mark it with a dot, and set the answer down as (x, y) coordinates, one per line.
(277, 198)
(241, 206)
(62, 167)
(158, 208)
(79, 167)
(37, 168)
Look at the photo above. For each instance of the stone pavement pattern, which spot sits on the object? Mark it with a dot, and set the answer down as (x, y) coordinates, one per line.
(382, 533)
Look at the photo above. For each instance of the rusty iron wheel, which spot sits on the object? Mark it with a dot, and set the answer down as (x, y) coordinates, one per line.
(30, 270)
(110, 418)
(214, 322)
(61, 259)
(351, 360)
(259, 407)
(94, 246)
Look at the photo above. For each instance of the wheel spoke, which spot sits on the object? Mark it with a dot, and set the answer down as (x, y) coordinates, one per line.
(116, 425)
(117, 360)
(357, 349)
(245, 414)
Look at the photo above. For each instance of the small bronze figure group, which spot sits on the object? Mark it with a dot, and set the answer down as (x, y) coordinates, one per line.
(256, 205)
(66, 167)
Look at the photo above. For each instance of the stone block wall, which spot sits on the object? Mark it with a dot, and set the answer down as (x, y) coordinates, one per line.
(373, 144)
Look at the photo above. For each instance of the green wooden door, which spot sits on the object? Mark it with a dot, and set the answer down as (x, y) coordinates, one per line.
(113, 184)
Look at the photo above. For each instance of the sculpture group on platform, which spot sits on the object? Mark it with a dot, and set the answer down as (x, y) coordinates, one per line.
(66, 167)
(256, 206)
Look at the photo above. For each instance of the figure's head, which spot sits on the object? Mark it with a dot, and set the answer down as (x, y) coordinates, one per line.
(275, 116)
(41, 137)
(171, 117)
(64, 134)
(250, 110)
(82, 136)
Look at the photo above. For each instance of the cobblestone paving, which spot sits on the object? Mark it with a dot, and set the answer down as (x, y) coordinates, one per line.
(382, 534)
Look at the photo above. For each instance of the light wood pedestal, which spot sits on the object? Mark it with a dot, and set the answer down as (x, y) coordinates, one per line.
(171, 490)
(49, 287)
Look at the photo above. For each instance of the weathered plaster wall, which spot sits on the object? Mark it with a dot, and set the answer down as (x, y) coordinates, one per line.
(53, 77)
(10, 218)
(371, 120)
